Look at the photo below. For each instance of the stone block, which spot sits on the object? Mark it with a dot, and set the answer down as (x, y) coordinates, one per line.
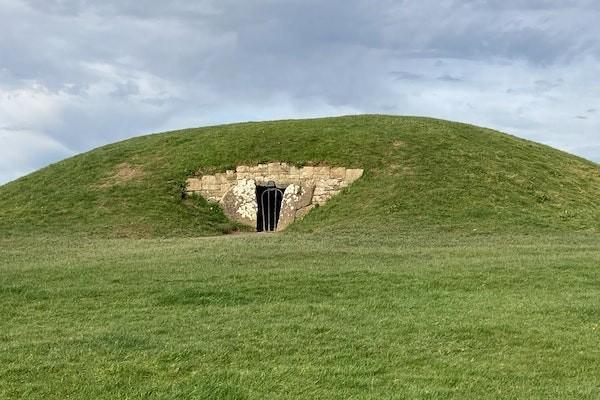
(295, 179)
(338, 173)
(323, 198)
(303, 211)
(241, 168)
(294, 171)
(274, 168)
(224, 188)
(353, 174)
(230, 175)
(193, 184)
(307, 172)
(319, 190)
(322, 172)
(305, 196)
(325, 189)
(220, 178)
(288, 206)
(239, 203)
(208, 180)
(332, 182)
(260, 181)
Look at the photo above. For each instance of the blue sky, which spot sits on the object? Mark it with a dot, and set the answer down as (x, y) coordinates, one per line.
(76, 74)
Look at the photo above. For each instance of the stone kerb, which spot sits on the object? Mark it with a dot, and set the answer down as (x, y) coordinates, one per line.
(304, 187)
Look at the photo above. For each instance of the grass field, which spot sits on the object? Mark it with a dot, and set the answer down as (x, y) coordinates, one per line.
(422, 316)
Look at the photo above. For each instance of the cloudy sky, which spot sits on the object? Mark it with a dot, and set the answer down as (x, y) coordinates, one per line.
(76, 74)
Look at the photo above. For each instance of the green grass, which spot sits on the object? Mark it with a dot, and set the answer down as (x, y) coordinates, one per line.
(297, 316)
(463, 264)
(419, 174)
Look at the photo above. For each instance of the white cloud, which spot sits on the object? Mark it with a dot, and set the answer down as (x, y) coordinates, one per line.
(24, 151)
(31, 106)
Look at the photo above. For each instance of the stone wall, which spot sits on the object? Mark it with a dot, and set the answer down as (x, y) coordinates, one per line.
(304, 187)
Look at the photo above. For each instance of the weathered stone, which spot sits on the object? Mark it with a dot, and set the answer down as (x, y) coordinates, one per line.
(225, 187)
(319, 190)
(288, 206)
(193, 184)
(322, 187)
(301, 213)
(333, 183)
(307, 172)
(353, 174)
(322, 172)
(220, 178)
(212, 196)
(338, 173)
(294, 173)
(274, 168)
(305, 196)
(208, 180)
(281, 183)
(239, 203)
(321, 200)
(261, 180)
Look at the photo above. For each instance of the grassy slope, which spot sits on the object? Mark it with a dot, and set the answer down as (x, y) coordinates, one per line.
(420, 174)
(299, 316)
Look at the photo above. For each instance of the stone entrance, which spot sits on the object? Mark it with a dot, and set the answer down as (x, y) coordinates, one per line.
(303, 188)
(269, 199)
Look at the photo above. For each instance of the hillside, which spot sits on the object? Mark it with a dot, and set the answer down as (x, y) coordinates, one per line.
(420, 174)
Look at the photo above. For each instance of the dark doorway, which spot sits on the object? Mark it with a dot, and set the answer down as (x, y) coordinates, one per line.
(269, 199)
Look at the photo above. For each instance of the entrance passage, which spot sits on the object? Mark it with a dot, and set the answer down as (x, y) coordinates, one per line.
(269, 199)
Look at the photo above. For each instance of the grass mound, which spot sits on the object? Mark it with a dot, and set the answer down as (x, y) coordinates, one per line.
(420, 174)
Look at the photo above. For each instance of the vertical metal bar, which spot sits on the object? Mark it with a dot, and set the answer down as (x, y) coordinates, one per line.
(269, 208)
(277, 194)
(275, 209)
(262, 204)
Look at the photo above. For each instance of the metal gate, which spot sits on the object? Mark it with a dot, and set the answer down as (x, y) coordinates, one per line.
(270, 207)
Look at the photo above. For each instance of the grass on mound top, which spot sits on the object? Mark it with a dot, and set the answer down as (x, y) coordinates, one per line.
(420, 174)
